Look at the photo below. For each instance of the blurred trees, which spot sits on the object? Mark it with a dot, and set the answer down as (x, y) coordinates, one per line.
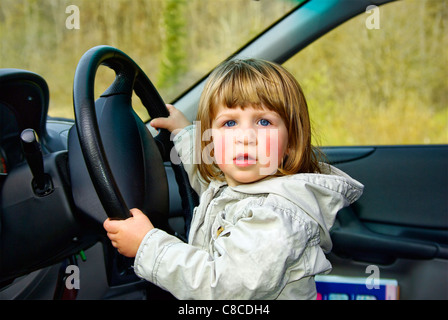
(390, 82)
(380, 86)
(175, 42)
(172, 64)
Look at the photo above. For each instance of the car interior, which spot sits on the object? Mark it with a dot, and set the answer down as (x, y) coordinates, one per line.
(61, 178)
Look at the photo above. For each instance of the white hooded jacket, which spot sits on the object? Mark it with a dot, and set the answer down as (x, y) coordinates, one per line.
(264, 240)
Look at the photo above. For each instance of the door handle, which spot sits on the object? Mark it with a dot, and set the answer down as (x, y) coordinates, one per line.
(352, 239)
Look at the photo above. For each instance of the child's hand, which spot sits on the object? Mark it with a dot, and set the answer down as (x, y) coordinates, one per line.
(174, 123)
(126, 235)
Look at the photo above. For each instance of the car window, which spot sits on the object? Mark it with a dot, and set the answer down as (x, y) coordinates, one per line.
(380, 78)
(175, 42)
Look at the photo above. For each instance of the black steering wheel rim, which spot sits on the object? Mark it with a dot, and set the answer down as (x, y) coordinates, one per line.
(129, 77)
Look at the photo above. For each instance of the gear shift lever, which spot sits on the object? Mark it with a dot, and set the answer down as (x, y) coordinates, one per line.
(41, 183)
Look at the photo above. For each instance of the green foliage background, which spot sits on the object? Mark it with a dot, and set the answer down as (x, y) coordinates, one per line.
(380, 86)
(175, 42)
(363, 86)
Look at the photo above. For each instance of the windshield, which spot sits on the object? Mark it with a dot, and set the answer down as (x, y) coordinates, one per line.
(175, 42)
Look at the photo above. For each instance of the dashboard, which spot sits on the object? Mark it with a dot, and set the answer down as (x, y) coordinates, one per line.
(38, 229)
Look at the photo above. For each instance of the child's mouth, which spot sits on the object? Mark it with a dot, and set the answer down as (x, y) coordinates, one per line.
(243, 160)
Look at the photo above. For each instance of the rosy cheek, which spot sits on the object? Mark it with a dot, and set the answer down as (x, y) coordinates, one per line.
(220, 149)
(273, 144)
(275, 147)
(268, 146)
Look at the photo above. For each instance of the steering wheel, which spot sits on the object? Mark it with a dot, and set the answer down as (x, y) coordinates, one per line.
(121, 162)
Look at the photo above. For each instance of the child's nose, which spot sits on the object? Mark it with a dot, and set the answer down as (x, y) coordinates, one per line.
(246, 136)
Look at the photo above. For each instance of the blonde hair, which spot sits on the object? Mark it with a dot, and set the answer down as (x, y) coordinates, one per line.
(259, 83)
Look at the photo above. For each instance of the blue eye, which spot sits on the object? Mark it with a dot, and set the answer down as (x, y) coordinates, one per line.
(230, 123)
(264, 122)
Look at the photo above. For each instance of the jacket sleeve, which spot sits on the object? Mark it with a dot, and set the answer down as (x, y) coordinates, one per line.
(252, 259)
(185, 146)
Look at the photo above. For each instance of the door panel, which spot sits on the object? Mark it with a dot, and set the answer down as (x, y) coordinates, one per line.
(400, 223)
(405, 185)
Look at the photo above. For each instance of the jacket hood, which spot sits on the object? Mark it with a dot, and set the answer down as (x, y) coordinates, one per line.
(320, 196)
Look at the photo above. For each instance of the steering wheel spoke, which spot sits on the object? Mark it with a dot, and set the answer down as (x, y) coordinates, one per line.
(122, 161)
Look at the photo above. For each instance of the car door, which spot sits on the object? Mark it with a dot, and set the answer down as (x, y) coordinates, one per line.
(377, 95)
(399, 224)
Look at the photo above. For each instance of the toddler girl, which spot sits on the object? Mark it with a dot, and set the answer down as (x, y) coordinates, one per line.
(261, 229)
